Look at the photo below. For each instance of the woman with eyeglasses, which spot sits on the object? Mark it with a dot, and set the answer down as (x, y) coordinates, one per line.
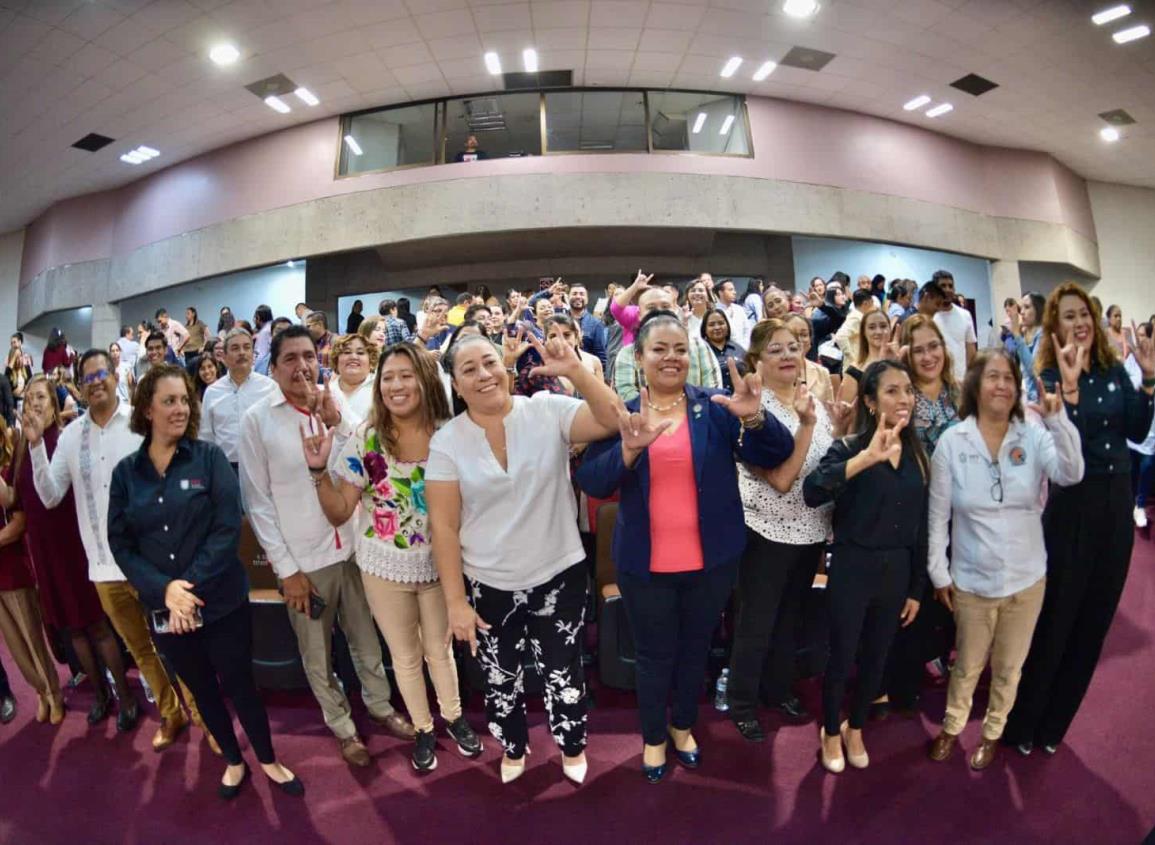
(785, 539)
(1087, 526)
(935, 391)
(877, 480)
(816, 376)
(988, 477)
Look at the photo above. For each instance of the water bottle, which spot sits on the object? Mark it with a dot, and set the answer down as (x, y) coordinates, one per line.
(721, 703)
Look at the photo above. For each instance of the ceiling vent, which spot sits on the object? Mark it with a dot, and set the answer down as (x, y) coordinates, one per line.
(93, 142)
(484, 115)
(1117, 117)
(541, 79)
(974, 84)
(273, 86)
(805, 58)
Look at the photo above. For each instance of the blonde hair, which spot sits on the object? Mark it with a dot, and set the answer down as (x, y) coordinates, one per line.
(368, 325)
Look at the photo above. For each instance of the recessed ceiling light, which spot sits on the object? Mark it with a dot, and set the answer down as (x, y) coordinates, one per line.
(917, 103)
(353, 146)
(224, 54)
(1109, 134)
(307, 97)
(133, 157)
(800, 8)
(942, 108)
(764, 70)
(726, 124)
(529, 59)
(493, 63)
(698, 121)
(277, 104)
(1112, 14)
(147, 152)
(731, 67)
(1133, 33)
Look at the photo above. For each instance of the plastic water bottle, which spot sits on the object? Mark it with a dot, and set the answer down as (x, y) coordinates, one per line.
(721, 703)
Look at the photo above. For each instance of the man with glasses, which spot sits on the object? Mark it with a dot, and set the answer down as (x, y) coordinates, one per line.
(85, 456)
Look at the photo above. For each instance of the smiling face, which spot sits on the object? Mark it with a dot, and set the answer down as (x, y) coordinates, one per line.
(875, 327)
(895, 397)
(801, 330)
(400, 388)
(207, 370)
(38, 400)
(927, 354)
(1076, 323)
(295, 370)
(665, 357)
(154, 349)
(696, 295)
(542, 310)
(169, 411)
(717, 329)
(98, 382)
(353, 362)
(578, 298)
(777, 305)
(479, 377)
(998, 389)
(780, 361)
(563, 332)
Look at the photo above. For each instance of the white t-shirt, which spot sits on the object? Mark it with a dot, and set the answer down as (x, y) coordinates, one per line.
(958, 330)
(518, 526)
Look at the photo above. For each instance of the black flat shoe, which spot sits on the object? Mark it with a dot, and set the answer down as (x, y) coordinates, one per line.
(128, 716)
(1051, 749)
(228, 793)
(792, 708)
(292, 787)
(1025, 748)
(98, 712)
(654, 774)
(751, 730)
(878, 711)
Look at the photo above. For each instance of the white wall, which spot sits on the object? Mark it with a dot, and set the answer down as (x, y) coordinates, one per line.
(823, 256)
(280, 287)
(1125, 222)
(76, 323)
(11, 250)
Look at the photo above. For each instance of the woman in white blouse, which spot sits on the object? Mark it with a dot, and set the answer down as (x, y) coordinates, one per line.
(784, 538)
(986, 485)
(503, 513)
(354, 362)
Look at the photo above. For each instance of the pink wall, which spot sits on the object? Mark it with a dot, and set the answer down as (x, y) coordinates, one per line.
(794, 142)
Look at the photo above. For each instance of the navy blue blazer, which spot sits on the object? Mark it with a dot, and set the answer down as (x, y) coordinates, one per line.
(714, 442)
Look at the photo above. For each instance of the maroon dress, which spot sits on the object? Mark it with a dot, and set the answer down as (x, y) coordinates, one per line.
(67, 598)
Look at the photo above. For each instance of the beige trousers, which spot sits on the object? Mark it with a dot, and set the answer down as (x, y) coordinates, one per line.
(24, 633)
(413, 618)
(1000, 629)
(339, 585)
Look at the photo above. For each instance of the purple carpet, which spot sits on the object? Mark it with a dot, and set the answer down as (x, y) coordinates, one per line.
(73, 785)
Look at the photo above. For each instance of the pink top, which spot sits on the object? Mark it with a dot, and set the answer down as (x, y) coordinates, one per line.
(627, 318)
(675, 535)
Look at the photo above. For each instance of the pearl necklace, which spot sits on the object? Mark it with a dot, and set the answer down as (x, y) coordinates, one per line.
(661, 409)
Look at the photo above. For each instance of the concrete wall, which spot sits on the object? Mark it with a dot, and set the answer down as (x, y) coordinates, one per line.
(76, 323)
(1126, 216)
(11, 252)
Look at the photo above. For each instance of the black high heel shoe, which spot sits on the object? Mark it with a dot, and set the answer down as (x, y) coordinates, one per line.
(228, 793)
(689, 759)
(98, 712)
(654, 774)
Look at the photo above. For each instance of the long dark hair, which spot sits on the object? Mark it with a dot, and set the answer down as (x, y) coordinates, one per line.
(56, 339)
(867, 421)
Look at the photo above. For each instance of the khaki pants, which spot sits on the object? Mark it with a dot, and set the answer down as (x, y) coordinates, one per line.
(129, 617)
(24, 633)
(414, 619)
(339, 585)
(998, 628)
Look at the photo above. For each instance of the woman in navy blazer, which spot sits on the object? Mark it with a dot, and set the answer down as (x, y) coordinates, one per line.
(680, 529)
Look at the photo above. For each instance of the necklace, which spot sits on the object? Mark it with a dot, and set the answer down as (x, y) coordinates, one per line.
(661, 409)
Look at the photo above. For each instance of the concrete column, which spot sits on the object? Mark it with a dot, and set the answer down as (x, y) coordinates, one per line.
(1006, 281)
(105, 324)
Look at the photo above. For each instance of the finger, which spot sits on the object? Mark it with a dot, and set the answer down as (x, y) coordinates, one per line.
(735, 378)
(481, 623)
(471, 636)
(897, 428)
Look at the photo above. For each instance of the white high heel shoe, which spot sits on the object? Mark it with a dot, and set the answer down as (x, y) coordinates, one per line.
(575, 771)
(834, 765)
(859, 761)
(512, 770)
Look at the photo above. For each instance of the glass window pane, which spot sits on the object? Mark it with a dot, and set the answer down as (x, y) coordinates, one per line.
(504, 125)
(700, 123)
(595, 121)
(389, 138)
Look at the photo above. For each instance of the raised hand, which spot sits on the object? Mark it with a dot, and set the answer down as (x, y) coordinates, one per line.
(640, 429)
(558, 358)
(1070, 359)
(316, 443)
(1049, 404)
(33, 427)
(840, 413)
(513, 348)
(746, 400)
(641, 280)
(886, 444)
(893, 348)
(804, 404)
(1143, 350)
(1014, 321)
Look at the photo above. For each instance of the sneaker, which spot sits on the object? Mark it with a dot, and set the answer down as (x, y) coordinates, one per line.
(468, 742)
(1140, 517)
(7, 709)
(424, 758)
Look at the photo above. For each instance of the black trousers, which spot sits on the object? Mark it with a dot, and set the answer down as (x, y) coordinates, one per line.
(216, 662)
(5, 687)
(774, 580)
(1089, 536)
(930, 635)
(672, 617)
(551, 619)
(865, 592)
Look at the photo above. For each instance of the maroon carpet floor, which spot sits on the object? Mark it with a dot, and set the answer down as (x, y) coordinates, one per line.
(72, 785)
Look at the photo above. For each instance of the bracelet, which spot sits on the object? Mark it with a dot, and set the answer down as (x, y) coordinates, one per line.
(754, 421)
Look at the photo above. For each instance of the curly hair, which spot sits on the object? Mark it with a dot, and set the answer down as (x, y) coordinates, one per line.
(1102, 355)
(146, 390)
(344, 344)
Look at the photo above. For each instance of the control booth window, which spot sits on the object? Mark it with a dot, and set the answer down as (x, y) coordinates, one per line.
(383, 140)
(698, 123)
(493, 126)
(596, 121)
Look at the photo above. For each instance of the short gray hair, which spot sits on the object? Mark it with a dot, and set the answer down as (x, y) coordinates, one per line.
(235, 332)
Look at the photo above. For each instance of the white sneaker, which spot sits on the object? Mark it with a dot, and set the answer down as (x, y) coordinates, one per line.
(1140, 517)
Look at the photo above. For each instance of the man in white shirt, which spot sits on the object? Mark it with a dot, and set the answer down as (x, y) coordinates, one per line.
(313, 559)
(227, 399)
(957, 327)
(735, 312)
(86, 454)
(129, 348)
(175, 334)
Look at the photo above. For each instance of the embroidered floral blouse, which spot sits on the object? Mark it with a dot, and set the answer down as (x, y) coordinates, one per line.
(932, 417)
(393, 535)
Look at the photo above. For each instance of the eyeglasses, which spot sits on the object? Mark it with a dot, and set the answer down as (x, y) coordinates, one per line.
(93, 378)
(997, 486)
(929, 349)
(792, 350)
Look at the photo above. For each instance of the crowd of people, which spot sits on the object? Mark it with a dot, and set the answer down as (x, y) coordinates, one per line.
(417, 479)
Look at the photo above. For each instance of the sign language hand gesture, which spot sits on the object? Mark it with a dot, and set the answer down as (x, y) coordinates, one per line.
(746, 400)
(642, 281)
(886, 444)
(804, 404)
(1049, 404)
(33, 426)
(324, 404)
(1143, 350)
(513, 348)
(640, 429)
(1070, 359)
(316, 442)
(558, 358)
(841, 413)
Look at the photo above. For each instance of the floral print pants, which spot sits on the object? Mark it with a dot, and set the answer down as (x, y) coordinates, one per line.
(550, 619)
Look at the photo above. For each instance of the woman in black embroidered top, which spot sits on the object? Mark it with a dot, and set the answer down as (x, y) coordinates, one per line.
(174, 520)
(1087, 527)
(877, 479)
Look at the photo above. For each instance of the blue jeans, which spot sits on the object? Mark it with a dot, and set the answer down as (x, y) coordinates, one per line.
(1141, 472)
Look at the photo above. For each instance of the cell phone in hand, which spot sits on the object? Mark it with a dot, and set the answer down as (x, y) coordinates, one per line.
(162, 620)
(316, 606)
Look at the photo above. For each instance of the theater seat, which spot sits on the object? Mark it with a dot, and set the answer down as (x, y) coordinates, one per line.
(616, 653)
(257, 567)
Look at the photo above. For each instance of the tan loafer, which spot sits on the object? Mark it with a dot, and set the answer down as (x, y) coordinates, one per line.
(354, 752)
(168, 731)
(943, 746)
(396, 724)
(984, 755)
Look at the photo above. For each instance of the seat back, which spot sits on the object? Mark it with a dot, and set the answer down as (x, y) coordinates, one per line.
(605, 573)
(257, 567)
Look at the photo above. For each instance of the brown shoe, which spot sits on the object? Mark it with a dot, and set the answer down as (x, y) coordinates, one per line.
(168, 731)
(396, 724)
(943, 746)
(355, 752)
(984, 755)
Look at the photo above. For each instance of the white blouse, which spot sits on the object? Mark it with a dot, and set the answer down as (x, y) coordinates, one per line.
(785, 517)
